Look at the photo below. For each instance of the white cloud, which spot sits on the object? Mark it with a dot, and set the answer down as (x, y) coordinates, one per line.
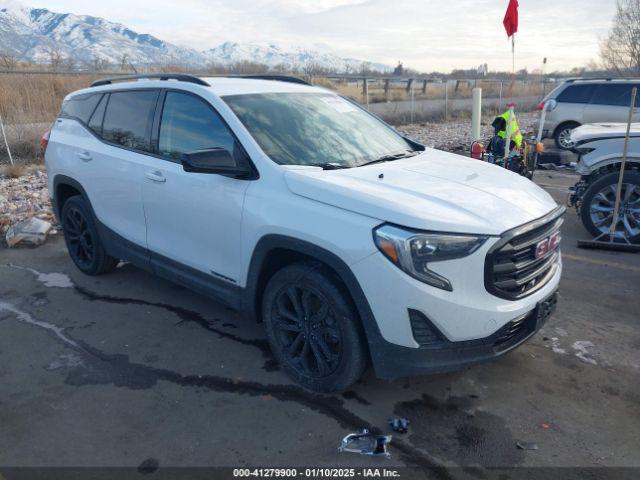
(426, 34)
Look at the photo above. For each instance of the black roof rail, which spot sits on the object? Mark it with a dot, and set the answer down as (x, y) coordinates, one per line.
(182, 77)
(605, 79)
(279, 78)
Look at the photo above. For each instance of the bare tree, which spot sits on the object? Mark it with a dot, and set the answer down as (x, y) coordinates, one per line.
(8, 61)
(620, 51)
(55, 58)
(124, 62)
(69, 63)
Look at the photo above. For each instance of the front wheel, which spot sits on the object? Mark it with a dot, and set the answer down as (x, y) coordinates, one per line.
(598, 205)
(313, 328)
(563, 135)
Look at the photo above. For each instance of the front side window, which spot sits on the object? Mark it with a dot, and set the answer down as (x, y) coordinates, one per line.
(129, 118)
(189, 124)
(315, 129)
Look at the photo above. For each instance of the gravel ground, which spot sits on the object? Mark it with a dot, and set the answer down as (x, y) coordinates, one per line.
(24, 197)
(27, 196)
(455, 136)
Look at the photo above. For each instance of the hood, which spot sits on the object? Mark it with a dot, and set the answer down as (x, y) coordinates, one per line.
(596, 131)
(432, 191)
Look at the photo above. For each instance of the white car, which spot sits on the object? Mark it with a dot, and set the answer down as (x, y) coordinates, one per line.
(600, 149)
(353, 244)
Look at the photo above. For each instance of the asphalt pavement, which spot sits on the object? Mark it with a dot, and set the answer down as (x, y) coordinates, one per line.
(128, 369)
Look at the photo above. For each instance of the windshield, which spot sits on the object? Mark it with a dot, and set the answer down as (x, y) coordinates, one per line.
(316, 129)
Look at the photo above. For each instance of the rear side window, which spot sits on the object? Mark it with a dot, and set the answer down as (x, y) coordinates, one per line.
(576, 94)
(613, 94)
(81, 107)
(189, 124)
(129, 117)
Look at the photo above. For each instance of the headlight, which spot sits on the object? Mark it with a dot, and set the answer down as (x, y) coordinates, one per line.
(412, 251)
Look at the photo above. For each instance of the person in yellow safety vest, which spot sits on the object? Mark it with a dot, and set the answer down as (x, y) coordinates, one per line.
(516, 135)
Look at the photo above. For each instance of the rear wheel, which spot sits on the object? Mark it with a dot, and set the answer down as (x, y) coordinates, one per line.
(598, 205)
(82, 239)
(313, 328)
(563, 135)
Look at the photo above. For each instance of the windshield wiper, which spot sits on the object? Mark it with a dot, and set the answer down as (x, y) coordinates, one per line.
(330, 166)
(391, 157)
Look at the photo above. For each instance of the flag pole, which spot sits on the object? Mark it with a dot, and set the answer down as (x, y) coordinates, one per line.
(513, 53)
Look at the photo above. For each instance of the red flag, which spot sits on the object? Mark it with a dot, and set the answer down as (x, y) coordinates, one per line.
(510, 21)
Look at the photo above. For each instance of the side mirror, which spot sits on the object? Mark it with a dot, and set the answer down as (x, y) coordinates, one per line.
(214, 160)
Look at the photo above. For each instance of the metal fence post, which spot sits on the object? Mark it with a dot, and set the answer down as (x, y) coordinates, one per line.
(4, 136)
(446, 101)
(412, 103)
(366, 92)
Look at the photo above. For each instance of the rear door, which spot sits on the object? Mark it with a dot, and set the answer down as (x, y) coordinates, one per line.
(610, 103)
(193, 219)
(118, 163)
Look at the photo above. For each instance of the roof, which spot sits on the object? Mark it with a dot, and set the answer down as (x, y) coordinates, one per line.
(242, 86)
(221, 86)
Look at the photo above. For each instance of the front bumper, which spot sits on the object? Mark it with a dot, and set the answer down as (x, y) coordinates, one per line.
(394, 361)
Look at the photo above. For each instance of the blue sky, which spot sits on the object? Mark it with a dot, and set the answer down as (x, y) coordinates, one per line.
(425, 34)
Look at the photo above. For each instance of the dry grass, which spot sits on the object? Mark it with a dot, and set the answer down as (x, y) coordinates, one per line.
(28, 103)
(13, 171)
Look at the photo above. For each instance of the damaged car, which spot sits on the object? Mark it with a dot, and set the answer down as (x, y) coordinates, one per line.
(600, 149)
(351, 243)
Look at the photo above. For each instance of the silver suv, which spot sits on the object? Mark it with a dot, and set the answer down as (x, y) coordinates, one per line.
(581, 101)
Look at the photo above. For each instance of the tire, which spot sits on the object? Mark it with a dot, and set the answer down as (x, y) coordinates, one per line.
(82, 238)
(313, 328)
(598, 201)
(561, 135)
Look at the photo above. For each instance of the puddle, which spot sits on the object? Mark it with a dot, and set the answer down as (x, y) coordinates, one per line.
(457, 431)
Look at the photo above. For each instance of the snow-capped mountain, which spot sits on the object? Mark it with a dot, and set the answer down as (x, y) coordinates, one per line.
(273, 55)
(35, 34)
(38, 34)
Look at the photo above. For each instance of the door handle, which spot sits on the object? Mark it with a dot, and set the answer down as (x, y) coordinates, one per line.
(85, 156)
(155, 176)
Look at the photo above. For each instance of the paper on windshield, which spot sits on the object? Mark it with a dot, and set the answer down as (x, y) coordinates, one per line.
(339, 104)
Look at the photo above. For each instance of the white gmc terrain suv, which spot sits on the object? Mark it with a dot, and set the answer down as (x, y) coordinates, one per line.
(297, 207)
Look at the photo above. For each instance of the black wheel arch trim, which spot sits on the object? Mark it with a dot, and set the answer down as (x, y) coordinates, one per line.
(272, 242)
(60, 180)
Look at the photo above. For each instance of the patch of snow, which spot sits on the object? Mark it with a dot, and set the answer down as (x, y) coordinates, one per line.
(582, 353)
(27, 318)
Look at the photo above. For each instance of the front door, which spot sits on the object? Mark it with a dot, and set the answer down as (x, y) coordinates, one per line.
(193, 219)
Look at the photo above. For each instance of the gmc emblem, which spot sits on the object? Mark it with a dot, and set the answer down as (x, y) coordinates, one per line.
(548, 245)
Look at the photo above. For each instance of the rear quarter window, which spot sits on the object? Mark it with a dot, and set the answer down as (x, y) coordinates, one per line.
(576, 94)
(81, 107)
(614, 94)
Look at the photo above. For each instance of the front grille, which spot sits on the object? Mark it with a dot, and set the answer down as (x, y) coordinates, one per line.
(512, 270)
